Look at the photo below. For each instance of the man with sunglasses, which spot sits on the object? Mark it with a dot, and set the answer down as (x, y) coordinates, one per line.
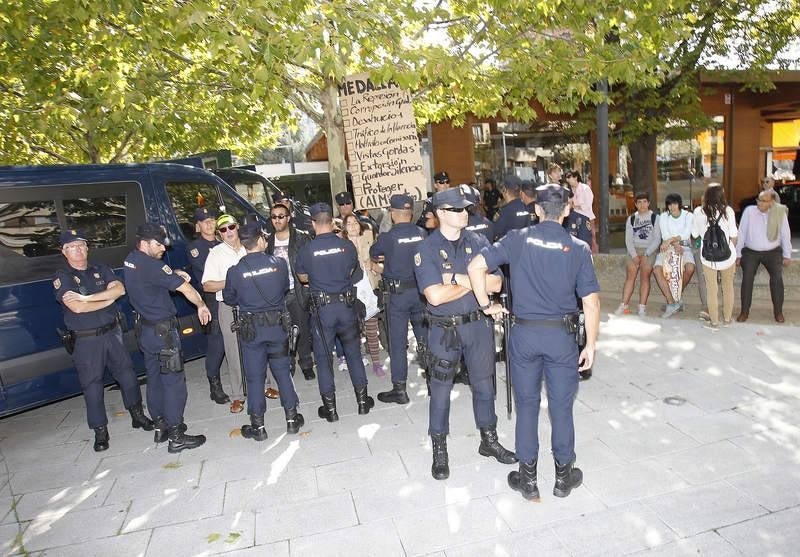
(457, 327)
(427, 219)
(221, 258)
(286, 242)
(149, 283)
(89, 294)
(301, 218)
(206, 225)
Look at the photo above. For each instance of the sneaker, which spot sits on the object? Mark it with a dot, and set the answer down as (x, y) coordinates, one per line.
(642, 310)
(341, 362)
(681, 306)
(670, 310)
(711, 326)
(623, 309)
(704, 315)
(727, 323)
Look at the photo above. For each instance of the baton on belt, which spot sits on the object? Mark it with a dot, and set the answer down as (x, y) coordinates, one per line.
(236, 327)
(506, 351)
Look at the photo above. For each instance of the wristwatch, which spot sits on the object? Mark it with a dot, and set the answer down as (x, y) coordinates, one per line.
(453, 280)
(485, 307)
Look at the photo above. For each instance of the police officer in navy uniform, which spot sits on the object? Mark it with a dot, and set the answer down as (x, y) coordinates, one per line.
(329, 264)
(427, 218)
(197, 252)
(149, 283)
(514, 214)
(404, 304)
(258, 284)
(548, 266)
(457, 327)
(478, 223)
(88, 293)
(576, 224)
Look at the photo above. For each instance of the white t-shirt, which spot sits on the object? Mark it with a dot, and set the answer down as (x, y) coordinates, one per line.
(728, 226)
(282, 251)
(221, 258)
(671, 226)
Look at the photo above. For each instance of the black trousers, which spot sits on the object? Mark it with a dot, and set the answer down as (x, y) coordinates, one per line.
(773, 262)
(301, 318)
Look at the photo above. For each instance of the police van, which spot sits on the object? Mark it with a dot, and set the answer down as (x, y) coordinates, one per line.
(107, 203)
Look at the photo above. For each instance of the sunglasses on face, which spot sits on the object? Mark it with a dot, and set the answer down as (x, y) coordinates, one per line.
(453, 209)
(346, 203)
(227, 228)
(278, 217)
(442, 181)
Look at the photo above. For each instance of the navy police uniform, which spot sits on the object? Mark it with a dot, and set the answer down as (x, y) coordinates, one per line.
(456, 328)
(478, 223)
(97, 338)
(149, 281)
(258, 284)
(548, 267)
(398, 246)
(578, 225)
(197, 253)
(332, 266)
(514, 214)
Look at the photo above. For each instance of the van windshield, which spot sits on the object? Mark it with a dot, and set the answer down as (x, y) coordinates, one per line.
(256, 193)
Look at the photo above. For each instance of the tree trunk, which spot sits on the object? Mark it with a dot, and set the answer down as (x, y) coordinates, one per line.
(334, 134)
(644, 172)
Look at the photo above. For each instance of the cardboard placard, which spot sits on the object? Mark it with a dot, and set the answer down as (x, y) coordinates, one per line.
(382, 141)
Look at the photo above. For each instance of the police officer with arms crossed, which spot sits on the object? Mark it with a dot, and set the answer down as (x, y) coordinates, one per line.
(286, 242)
(258, 284)
(94, 338)
(398, 246)
(329, 264)
(197, 251)
(149, 284)
(547, 267)
(457, 327)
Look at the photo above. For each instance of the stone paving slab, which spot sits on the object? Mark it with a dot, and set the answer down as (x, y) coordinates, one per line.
(681, 435)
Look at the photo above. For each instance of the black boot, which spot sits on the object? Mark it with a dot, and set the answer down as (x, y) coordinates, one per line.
(139, 419)
(398, 394)
(308, 373)
(328, 408)
(256, 429)
(217, 394)
(567, 479)
(294, 421)
(100, 438)
(161, 431)
(524, 481)
(440, 470)
(365, 402)
(585, 375)
(178, 440)
(490, 446)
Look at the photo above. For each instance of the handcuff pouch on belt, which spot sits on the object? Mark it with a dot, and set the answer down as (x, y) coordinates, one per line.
(451, 339)
(170, 357)
(244, 327)
(67, 338)
(441, 369)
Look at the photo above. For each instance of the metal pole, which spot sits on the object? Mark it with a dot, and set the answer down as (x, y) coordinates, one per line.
(602, 166)
(505, 153)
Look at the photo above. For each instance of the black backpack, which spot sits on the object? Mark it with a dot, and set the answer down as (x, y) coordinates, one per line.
(715, 243)
(652, 218)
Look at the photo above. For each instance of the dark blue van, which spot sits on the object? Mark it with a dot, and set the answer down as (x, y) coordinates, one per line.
(108, 202)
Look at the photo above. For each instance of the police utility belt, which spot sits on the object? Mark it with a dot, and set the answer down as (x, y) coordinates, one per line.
(574, 323)
(451, 339)
(319, 299)
(68, 337)
(395, 286)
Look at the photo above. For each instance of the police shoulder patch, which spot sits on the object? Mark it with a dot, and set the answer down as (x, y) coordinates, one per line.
(417, 260)
(468, 250)
(97, 275)
(57, 283)
(167, 269)
(195, 252)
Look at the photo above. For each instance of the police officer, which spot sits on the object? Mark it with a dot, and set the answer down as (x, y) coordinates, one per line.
(286, 243)
(514, 214)
(427, 218)
(329, 264)
(457, 327)
(197, 251)
(258, 284)
(149, 283)
(577, 224)
(478, 223)
(401, 297)
(548, 266)
(88, 293)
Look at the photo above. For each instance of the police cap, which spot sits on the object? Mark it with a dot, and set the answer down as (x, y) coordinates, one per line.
(318, 208)
(512, 182)
(250, 231)
(277, 197)
(343, 198)
(472, 194)
(203, 213)
(455, 197)
(68, 236)
(401, 201)
(152, 231)
(441, 177)
(551, 193)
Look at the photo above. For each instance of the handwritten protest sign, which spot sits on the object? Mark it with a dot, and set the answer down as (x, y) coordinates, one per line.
(382, 142)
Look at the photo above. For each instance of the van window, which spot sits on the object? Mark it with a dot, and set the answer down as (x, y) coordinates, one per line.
(234, 207)
(186, 198)
(28, 229)
(256, 194)
(101, 219)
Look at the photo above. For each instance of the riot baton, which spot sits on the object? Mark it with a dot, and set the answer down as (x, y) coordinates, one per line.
(236, 327)
(320, 332)
(506, 351)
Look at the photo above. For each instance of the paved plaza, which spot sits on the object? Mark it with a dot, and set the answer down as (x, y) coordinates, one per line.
(688, 440)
